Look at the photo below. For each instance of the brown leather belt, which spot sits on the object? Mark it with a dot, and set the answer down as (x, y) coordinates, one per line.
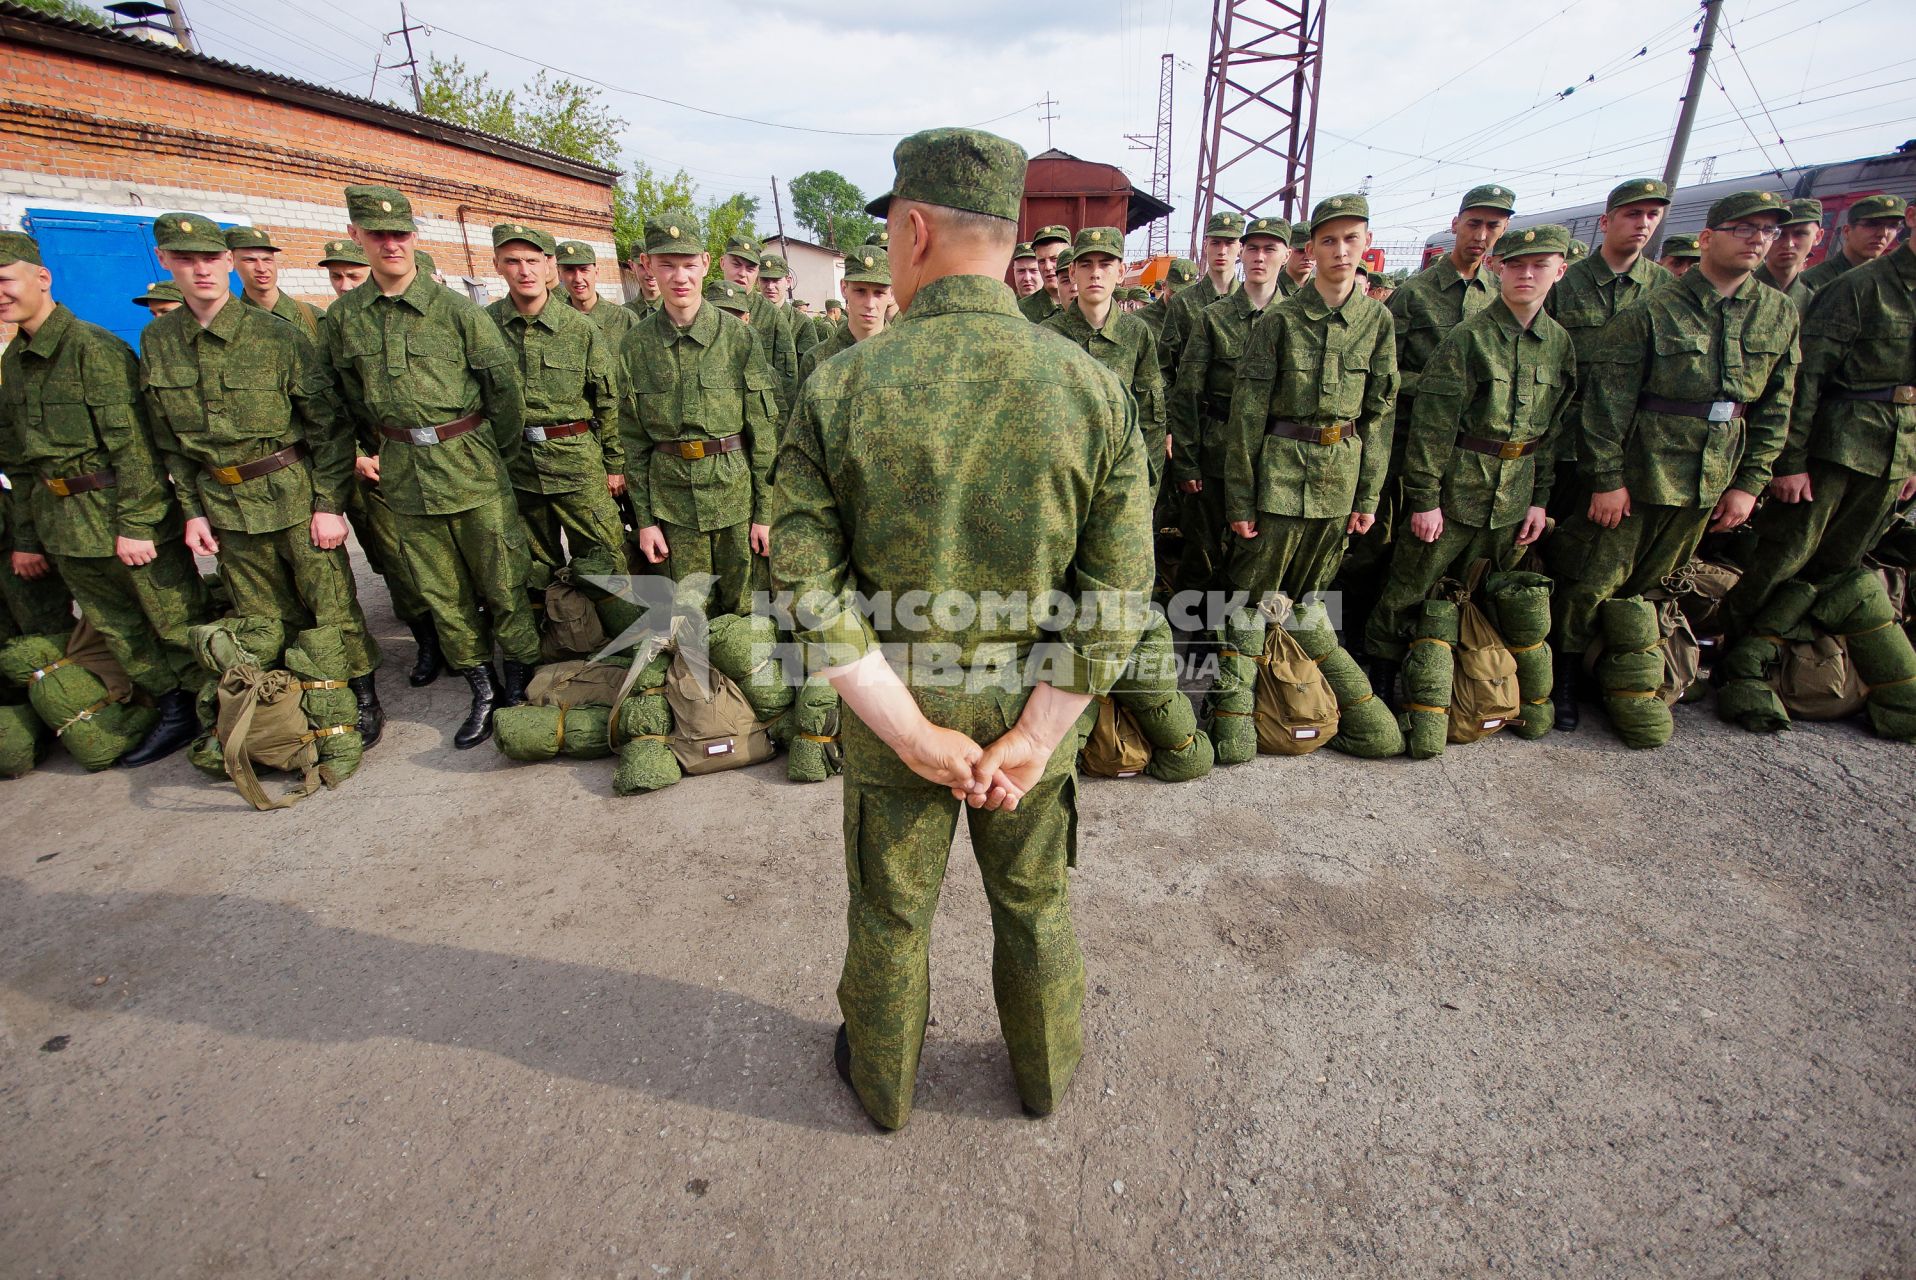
(557, 431)
(1335, 432)
(433, 435)
(1709, 410)
(1886, 395)
(71, 485)
(693, 450)
(1505, 449)
(295, 452)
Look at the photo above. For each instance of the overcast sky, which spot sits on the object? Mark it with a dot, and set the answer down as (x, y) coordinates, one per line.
(1417, 104)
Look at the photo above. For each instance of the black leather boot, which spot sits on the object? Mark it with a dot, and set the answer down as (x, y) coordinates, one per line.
(372, 717)
(518, 676)
(485, 698)
(426, 668)
(1566, 684)
(176, 727)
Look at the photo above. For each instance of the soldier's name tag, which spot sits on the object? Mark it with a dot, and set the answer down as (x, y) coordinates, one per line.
(1723, 410)
(1492, 724)
(1304, 735)
(1128, 773)
(720, 748)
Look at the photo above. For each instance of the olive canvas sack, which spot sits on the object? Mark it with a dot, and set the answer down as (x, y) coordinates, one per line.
(713, 726)
(1295, 709)
(1117, 747)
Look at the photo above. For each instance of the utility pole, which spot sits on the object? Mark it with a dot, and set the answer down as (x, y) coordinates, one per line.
(778, 209)
(406, 27)
(182, 29)
(1699, 67)
(1048, 103)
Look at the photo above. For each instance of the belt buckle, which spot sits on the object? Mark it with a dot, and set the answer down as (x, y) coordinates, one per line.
(59, 486)
(1722, 411)
(423, 435)
(1905, 395)
(692, 450)
(535, 435)
(1510, 450)
(1331, 434)
(226, 475)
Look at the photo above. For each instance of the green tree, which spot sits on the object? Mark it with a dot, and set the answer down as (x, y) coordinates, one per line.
(642, 193)
(562, 116)
(71, 10)
(827, 204)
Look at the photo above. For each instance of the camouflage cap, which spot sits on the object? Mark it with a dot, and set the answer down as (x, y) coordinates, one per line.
(834, 304)
(744, 246)
(1681, 245)
(867, 267)
(1489, 196)
(1345, 206)
(159, 291)
(188, 233)
(1182, 271)
(1300, 234)
(1024, 250)
(677, 232)
(1549, 238)
(577, 253)
(1273, 227)
(1106, 240)
(880, 238)
(1636, 191)
(345, 251)
(18, 246)
(1065, 256)
(1882, 205)
(1225, 225)
(1804, 210)
(1054, 232)
(379, 209)
(244, 237)
(1746, 204)
(773, 267)
(423, 261)
(506, 232)
(1578, 249)
(966, 169)
(728, 296)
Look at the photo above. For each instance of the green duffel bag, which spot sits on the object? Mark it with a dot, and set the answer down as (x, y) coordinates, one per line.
(24, 740)
(528, 734)
(1520, 606)
(815, 751)
(1632, 671)
(79, 693)
(237, 641)
(1231, 705)
(262, 725)
(1365, 726)
(1429, 669)
(1186, 762)
(1855, 606)
(745, 650)
(318, 657)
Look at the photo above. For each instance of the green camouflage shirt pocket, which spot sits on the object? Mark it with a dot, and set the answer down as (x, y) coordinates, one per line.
(763, 384)
(721, 408)
(1683, 369)
(58, 412)
(176, 389)
(257, 406)
(437, 366)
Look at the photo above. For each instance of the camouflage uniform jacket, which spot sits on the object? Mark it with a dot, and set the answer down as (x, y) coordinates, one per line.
(1038, 307)
(70, 406)
(641, 307)
(1310, 363)
(1833, 266)
(567, 373)
(772, 328)
(1124, 346)
(1589, 294)
(804, 328)
(245, 386)
(1180, 316)
(1688, 343)
(961, 450)
(1200, 399)
(1425, 308)
(287, 307)
(1858, 335)
(423, 358)
(703, 382)
(838, 340)
(1798, 292)
(1494, 379)
(613, 321)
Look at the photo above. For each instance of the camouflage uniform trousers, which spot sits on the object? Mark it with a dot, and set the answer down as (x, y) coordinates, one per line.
(1296, 555)
(144, 612)
(468, 559)
(1207, 537)
(283, 575)
(372, 522)
(725, 554)
(1814, 539)
(897, 842)
(594, 534)
(1369, 562)
(1416, 566)
(1592, 564)
(38, 608)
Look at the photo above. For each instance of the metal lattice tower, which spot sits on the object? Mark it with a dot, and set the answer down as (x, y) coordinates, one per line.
(1158, 234)
(1260, 98)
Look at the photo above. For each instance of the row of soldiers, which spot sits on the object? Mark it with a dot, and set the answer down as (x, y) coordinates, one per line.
(462, 444)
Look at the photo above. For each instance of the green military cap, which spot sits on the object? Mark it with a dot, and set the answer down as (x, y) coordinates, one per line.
(423, 261)
(869, 266)
(740, 245)
(965, 169)
(1489, 196)
(1300, 234)
(577, 253)
(880, 238)
(1804, 210)
(1106, 240)
(1024, 250)
(1346, 206)
(343, 251)
(1578, 249)
(1273, 227)
(1048, 234)
(1681, 246)
(678, 232)
(773, 267)
(835, 304)
(379, 209)
(1225, 225)
(1882, 205)
(1549, 238)
(1182, 272)
(159, 291)
(1635, 191)
(1746, 204)
(18, 246)
(1065, 255)
(188, 233)
(728, 296)
(244, 237)
(506, 232)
